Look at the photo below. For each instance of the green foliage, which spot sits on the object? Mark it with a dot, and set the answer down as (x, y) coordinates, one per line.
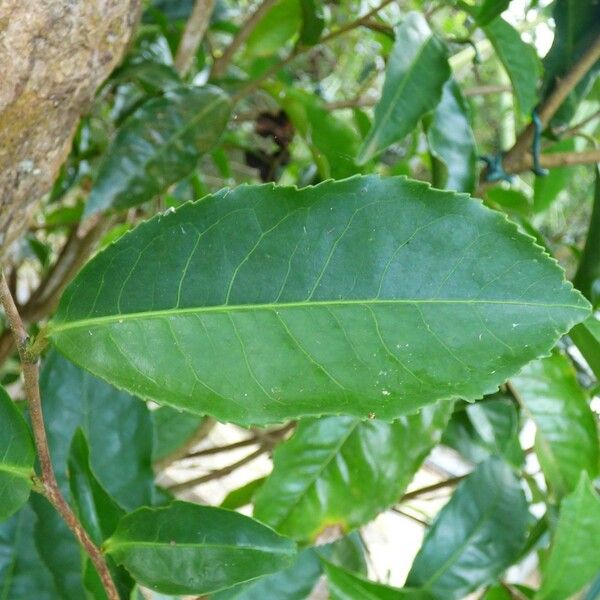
(238, 318)
(16, 457)
(415, 75)
(567, 434)
(417, 348)
(340, 472)
(174, 549)
(476, 536)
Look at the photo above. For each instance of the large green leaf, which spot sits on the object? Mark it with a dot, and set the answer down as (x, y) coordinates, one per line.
(342, 472)
(489, 10)
(118, 428)
(22, 574)
(16, 457)
(368, 296)
(567, 436)
(332, 142)
(574, 558)
(344, 585)
(577, 25)
(451, 142)
(415, 74)
(158, 145)
(185, 548)
(476, 536)
(520, 61)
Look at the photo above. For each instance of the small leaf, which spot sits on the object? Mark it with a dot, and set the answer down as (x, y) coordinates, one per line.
(281, 23)
(332, 142)
(158, 145)
(574, 558)
(313, 22)
(97, 511)
(22, 574)
(185, 548)
(415, 75)
(451, 142)
(546, 189)
(243, 495)
(341, 471)
(586, 337)
(344, 585)
(476, 536)
(567, 435)
(368, 296)
(489, 10)
(16, 457)
(520, 61)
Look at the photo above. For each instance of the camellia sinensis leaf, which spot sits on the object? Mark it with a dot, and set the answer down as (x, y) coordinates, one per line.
(367, 296)
(16, 457)
(415, 74)
(185, 548)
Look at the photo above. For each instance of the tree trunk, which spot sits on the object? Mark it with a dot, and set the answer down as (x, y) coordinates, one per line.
(53, 56)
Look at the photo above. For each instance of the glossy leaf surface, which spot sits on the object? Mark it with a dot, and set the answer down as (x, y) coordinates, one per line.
(415, 74)
(158, 145)
(476, 536)
(117, 426)
(520, 61)
(185, 548)
(16, 457)
(567, 435)
(372, 296)
(574, 560)
(344, 585)
(341, 471)
(451, 142)
(22, 574)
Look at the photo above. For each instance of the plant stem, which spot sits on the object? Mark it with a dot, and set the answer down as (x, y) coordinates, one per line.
(432, 488)
(299, 50)
(30, 366)
(220, 65)
(194, 31)
(514, 157)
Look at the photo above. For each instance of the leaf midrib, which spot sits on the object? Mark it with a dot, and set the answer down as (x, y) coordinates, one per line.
(58, 326)
(22, 472)
(111, 545)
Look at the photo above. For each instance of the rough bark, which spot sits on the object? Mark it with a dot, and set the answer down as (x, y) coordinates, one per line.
(53, 57)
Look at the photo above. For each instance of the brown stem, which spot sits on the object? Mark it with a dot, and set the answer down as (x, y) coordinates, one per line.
(220, 65)
(77, 249)
(432, 488)
(514, 157)
(299, 50)
(178, 487)
(30, 366)
(194, 31)
(558, 159)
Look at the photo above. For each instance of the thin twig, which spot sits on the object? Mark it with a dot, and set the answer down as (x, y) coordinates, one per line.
(222, 62)
(514, 157)
(486, 90)
(414, 518)
(571, 131)
(299, 50)
(452, 481)
(30, 366)
(217, 474)
(194, 31)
